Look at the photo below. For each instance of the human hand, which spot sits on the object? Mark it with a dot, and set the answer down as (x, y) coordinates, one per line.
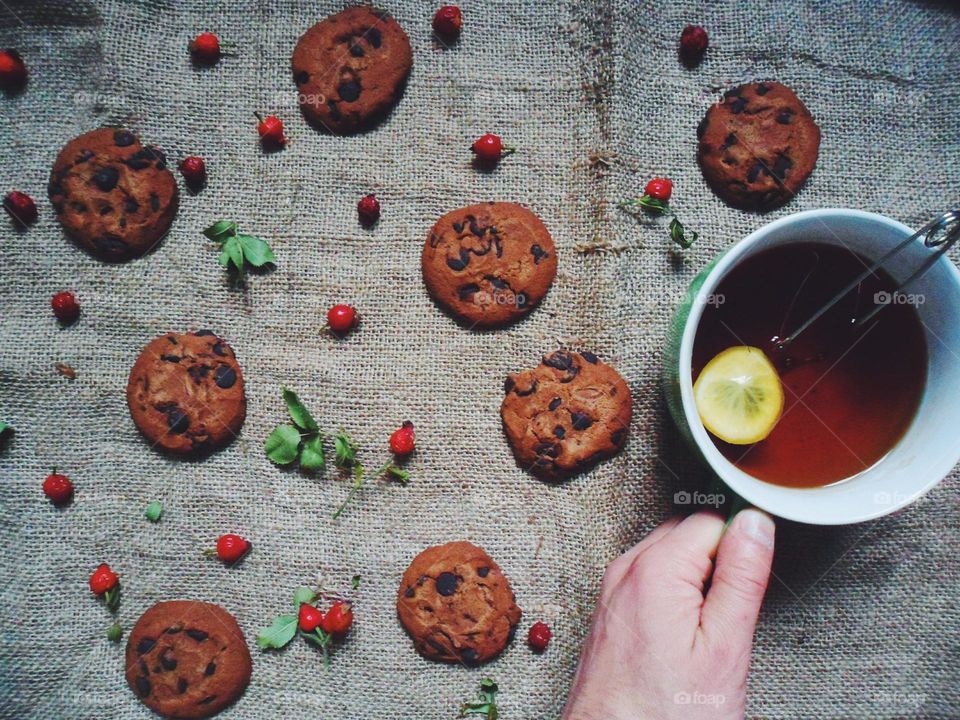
(658, 647)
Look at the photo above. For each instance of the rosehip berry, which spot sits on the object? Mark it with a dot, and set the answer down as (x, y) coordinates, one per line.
(448, 21)
(341, 318)
(194, 171)
(693, 44)
(103, 580)
(489, 148)
(368, 209)
(310, 618)
(659, 189)
(20, 207)
(338, 619)
(13, 73)
(539, 636)
(231, 548)
(58, 488)
(205, 48)
(402, 441)
(271, 131)
(65, 307)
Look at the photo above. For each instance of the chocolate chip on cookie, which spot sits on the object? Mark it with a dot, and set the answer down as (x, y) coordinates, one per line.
(187, 659)
(489, 264)
(186, 393)
(567, 414)
(457, 604)
(350, 69)
(758, 145)
(113, 196)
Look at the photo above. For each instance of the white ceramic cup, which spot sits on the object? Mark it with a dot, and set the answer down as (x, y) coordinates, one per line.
(929, 449)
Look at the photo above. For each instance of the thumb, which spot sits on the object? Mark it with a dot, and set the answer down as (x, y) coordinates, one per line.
(740, 580)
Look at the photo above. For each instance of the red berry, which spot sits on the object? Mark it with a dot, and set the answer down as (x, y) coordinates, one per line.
(338, 619)
(65, 307)
(310, 618)
(341, 318)
(448, 21)
(539, 636)
(271, 131)
(58, 488)
(693, 44)
(103, 579)
(13, 73)
(205, 48)
(369, 209)
(659, 189)
(489, 148)
(194, 171)
(231, 548)
(20, 207)
(402, 441)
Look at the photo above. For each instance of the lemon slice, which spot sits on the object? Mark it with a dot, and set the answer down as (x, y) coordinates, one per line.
(739, 395)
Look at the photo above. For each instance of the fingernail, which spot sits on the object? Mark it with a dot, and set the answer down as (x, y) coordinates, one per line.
(756, 525)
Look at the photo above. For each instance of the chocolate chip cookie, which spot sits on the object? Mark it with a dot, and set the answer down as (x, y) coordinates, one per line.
(758, 145)
(457, 605)
(489, 264)
(187, 659)
(186, 393)
(567, 414)
(350, 69)
(113, 196)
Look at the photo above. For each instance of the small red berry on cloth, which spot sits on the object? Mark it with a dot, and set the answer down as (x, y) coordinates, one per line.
(338, 619)
(194, 171)
(489, 148)
(270, 130)
(341, 318)
(230, 548)
(539, 636)
(58, 488)
(368, 209)
(206, 48)
(310, 618)
(693, 44)
(103, 580)
(13, 73)
(65, 307)
(403, 440)
(448, 21)
(659, 189)
(20, 207)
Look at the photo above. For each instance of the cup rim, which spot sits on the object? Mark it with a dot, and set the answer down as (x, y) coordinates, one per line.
(739, 481)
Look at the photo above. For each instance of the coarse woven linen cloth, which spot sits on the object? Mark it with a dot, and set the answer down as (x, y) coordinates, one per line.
(859, 622)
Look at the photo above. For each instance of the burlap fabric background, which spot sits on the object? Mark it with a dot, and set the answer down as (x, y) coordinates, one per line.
(859, 622)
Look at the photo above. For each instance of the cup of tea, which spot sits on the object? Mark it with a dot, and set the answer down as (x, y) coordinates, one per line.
(864, 419)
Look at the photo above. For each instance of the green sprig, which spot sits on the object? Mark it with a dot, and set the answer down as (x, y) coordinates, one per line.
(238, 249)
(678, 235)
(486, 705)
(301, 440)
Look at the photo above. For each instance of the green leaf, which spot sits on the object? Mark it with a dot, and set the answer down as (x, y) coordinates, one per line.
(234, 252)
(255, 250)
(678, 235)
(153, 511)
(4, 427)
(355, 582)
(279, 634)
(283, 445)
(303, 595)
(298, 412)
(399, 473)
(114, 632)
(221, 230)
(311, 457)
(645, 203)
(345, 450)
(224, 259)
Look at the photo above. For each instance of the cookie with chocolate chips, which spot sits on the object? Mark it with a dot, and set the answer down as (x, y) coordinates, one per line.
(185, 393)
(489, 264)
(113, 196)
(565, 415)
(350, 69)
(187, 659)
(758, 145)
(457, 604)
